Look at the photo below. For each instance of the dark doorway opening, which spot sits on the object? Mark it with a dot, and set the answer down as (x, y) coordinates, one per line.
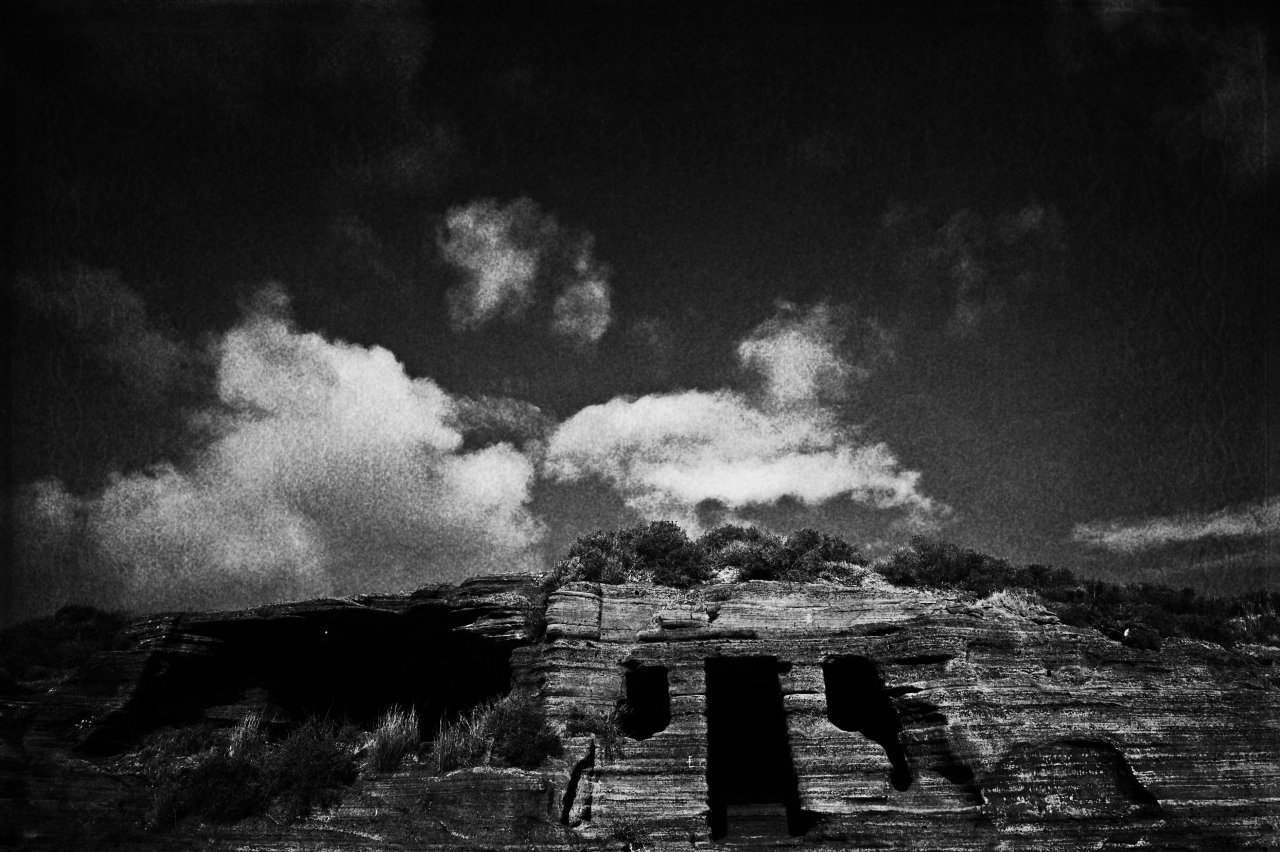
(646, 710)
(748, 753)
(857, 701)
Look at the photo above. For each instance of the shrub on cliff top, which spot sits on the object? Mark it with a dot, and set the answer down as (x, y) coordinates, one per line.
(658, 552)
(675, 561)
(64, 640)
(804, 556)
(1145, 611)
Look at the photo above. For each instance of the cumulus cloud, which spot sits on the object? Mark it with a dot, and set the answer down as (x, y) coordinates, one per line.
(668, 453)
(509, 256)
(809, 355)
(487, 420)
(797, 354)
(583, 311)
(330, 471)
(497, 249)
(1236, 522)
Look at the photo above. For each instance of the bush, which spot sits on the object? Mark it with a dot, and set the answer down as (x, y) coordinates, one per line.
(603, 726)
(202, 772)
(666, 550)
(1022, 602)
(658, 552)
(216, 788)
(722, 536)
(64, 641)
(310, 768)
(395, 736)
(750, 561)
(938, 564)
(511, 731)
(804, 556)
(520, 733)
(1147, 612)
(597, 557)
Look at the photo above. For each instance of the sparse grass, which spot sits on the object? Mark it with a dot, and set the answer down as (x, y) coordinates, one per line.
(511, 731)
(246, 736)
(1021, 602)
(462, 742)
(395, 736)
(603, 726)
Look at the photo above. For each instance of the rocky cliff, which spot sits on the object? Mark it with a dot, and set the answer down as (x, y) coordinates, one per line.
(833, 716)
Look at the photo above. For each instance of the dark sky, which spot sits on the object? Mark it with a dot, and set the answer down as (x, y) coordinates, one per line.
(320, 297)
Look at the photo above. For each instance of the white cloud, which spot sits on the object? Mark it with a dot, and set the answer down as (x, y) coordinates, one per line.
(490, 244)
(797, 354)
(583, 311)
(331, 471)
(510, 254)
(667, 453)
(1251, 520)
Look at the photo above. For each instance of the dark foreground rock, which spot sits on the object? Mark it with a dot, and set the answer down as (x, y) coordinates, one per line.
(825, 716)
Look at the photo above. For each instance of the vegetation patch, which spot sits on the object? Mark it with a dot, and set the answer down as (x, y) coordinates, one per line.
(1139, 614)
(222, 776)
(604, 727)
(510, 731)
(661, 553)
(66, 640)
(395, 736)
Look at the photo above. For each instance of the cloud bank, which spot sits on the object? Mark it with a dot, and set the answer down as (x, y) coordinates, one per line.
(510, 254)
(668, 453)
(1237, 522)
(330, 471)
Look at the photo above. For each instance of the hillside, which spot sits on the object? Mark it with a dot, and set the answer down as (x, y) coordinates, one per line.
(653, 692)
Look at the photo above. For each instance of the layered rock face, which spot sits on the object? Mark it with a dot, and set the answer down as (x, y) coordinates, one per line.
(858, 716)
(879, 717)
(438, 649)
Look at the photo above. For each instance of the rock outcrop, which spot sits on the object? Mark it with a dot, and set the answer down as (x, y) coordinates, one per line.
(833, 716)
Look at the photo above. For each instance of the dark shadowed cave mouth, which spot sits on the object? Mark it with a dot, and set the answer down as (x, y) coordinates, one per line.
(646, 710)
(857, 701)
(340, 663)
(749, 766)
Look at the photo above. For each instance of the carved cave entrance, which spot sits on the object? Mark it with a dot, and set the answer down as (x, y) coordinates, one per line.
(749, 764)
(646, 710)
(857, 701)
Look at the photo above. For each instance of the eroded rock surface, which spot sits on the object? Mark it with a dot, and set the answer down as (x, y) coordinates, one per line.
(882, 717)
(828, 716)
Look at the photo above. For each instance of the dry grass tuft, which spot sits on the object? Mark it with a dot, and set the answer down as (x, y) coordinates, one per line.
(395, 736)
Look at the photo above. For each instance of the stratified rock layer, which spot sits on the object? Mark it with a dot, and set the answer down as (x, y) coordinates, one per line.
(859, 716)
(913, 720)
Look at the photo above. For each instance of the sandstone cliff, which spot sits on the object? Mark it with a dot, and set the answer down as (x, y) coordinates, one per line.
(831, 716)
